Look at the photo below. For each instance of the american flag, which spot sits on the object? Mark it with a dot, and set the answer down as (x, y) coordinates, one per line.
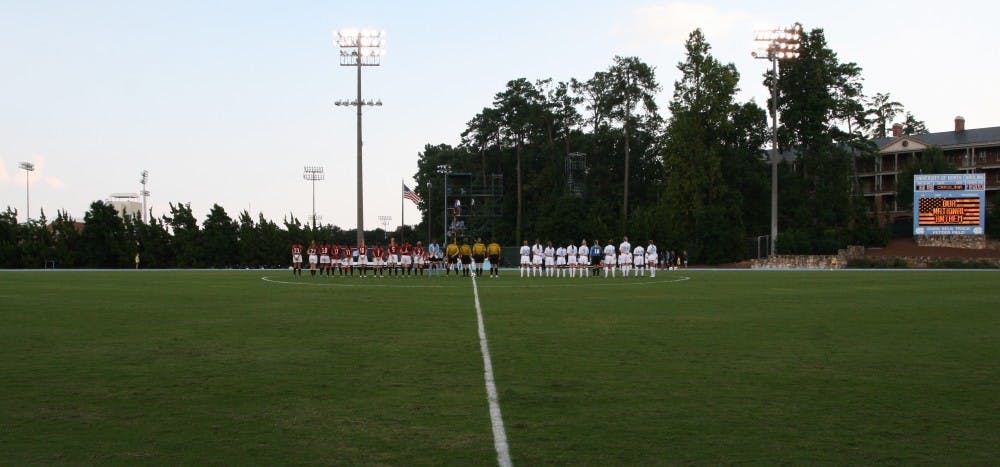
(410, 194)
(949, 211)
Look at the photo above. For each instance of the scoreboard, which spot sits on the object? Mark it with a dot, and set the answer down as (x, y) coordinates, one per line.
(949, 204)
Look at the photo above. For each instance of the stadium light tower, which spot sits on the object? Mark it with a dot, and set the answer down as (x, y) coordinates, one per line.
(144, 177)
(313, 173)
(28, 167)
(774, 45)
(385, 220)
(445, 169)
(360, 48)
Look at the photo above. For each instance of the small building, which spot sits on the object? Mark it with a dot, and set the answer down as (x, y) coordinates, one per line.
(126, 204)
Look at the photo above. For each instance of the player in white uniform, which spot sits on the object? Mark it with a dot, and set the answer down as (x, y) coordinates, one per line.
(550, 260)
(625, 263)
(433, 257)
(609, 259)
(584, 260)
(571, 261)
(561, 261)
(625, 256)
(639, 260)
(651, 258)
(537, 257)
(525, 259)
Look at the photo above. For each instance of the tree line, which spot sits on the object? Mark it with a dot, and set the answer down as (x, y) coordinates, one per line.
(698, 179)
(107, 239)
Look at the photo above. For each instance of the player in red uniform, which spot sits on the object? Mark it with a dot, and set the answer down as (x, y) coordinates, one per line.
(324, 259)
(419, 257)
(348, 254)
(406, 257)
(363, 259)
(313, 258)
(335, 259)
(393, 263)
(378, 259)
(296, 259)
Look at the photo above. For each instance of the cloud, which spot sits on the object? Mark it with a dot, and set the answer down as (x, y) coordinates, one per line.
(54, 182)
(671, 23)
(38, 175)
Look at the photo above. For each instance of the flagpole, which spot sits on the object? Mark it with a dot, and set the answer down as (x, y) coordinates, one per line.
(402, 214)
(428, 217)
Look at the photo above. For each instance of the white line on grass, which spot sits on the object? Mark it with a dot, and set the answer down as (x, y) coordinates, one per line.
(603, 283)
(366, 284)
(458, 283)
(499, 435)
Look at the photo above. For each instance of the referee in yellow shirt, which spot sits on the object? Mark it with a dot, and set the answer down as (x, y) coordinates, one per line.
(479, 255)
(493, 251)
(465, 252)
(451, 257)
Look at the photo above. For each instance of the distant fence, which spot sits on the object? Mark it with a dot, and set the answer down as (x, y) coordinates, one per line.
(758, 247)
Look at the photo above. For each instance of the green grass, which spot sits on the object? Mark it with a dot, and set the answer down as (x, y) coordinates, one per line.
(727, 367)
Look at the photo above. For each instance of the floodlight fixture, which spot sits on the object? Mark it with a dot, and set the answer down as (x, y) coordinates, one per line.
(355, 103)
(776, 44)
(360, 48)
(385, 220)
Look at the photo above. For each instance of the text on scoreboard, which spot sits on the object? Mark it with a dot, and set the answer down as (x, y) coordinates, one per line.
(949, 204)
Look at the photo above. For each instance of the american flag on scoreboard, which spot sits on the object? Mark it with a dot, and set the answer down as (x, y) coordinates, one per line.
(410, 194)
(949, 211)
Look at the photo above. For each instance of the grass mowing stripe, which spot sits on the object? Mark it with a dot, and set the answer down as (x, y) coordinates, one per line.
(750, 367)
(496, 419)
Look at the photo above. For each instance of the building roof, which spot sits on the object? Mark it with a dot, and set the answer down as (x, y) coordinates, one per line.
(945, 139)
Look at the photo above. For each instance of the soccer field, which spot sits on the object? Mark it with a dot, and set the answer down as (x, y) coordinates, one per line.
(692, 367)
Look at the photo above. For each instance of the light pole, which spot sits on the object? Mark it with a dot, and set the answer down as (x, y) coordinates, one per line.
(360, 48)
(385, 220)
(28, 167)
(144, 177)
(428, 212)
(313, 173)
(445, 169)
(774, 45)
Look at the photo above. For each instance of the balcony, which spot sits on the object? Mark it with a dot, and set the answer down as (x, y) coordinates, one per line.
(887, 165)
(866, 168)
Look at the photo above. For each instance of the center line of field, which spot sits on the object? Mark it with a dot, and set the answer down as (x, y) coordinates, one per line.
(496, 419)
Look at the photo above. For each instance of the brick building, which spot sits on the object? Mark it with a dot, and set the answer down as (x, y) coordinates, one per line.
(970, 151)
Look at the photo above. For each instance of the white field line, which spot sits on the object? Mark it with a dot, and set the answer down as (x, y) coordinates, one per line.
(496, 419)
(365, 284)
(459, 283)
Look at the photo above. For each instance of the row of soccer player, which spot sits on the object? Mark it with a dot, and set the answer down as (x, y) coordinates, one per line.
(398, 259)
(571, 259)
(535, 260)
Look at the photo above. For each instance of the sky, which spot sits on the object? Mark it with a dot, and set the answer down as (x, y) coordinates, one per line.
(226, 101)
